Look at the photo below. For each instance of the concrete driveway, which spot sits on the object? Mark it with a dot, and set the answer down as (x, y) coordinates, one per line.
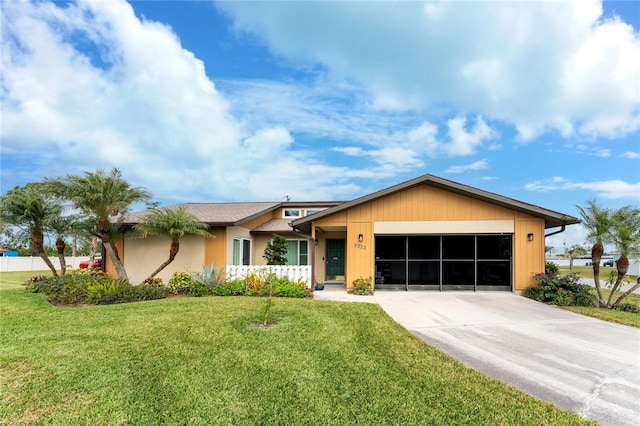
(581, 364)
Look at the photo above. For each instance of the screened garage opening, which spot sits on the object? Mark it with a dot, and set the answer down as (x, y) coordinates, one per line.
(443, 262)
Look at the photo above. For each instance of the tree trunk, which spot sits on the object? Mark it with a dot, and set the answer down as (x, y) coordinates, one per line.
(571, 263)
(175, 247)
(625, 294)
(104, 227)
(622, 265)
(37, 238)
(596, 256)
(60, 245)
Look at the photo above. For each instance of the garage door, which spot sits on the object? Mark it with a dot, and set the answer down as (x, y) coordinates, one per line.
(443, 262)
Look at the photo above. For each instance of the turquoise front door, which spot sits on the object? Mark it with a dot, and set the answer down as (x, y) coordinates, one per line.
(335, 259)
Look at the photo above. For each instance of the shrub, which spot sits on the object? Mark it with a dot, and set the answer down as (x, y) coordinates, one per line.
(551, 268)
(562, 290)
(255, 281)
(628, 307)
(153, 282)
(180, 283)
(534, 292)
(231, 288)
(362, 286)
(85, 288)
(562, 297)
(288, 289)
(211, 276)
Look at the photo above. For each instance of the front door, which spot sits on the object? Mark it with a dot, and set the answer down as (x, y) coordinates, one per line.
(335, 259)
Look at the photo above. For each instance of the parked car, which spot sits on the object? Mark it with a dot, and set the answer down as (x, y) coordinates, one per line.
(97, 263)
(608, 263)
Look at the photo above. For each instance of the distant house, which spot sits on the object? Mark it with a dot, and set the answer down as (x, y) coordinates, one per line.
(424, 234)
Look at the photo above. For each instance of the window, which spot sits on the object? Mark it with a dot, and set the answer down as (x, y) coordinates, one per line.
(241, 251)
(291, 213)
(297, 252)
(309, 212)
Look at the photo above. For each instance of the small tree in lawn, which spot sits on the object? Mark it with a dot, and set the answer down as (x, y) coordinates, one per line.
(276, 251)
(573, 252)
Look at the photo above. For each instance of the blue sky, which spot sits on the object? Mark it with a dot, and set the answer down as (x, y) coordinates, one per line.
(251, 101)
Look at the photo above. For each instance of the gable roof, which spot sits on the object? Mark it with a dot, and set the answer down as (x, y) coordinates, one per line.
(551, 218)
(217, 214)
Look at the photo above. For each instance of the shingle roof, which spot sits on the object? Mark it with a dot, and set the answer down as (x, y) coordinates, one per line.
(217, 213)
(551, 218)
(275, 226)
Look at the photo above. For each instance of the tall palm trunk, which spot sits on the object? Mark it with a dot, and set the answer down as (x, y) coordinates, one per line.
(622, 266)
(104, 227)
(37, 238)
(60, 246)
(596, 256)
(175, 247)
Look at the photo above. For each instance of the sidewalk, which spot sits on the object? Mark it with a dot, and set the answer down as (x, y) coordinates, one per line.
(338, 293)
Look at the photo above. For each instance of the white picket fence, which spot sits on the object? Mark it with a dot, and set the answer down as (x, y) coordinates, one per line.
(293, 272)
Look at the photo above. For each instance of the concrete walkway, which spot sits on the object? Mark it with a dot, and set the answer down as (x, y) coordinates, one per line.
(579, 363)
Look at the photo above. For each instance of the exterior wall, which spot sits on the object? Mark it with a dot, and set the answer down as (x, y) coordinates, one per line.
(144, 255)
(528, 255)
(215, 252)
(426, 209)
(258, 245)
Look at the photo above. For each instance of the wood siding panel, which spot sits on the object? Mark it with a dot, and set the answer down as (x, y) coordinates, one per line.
(528, 255)
(215, 248)
(359, 255)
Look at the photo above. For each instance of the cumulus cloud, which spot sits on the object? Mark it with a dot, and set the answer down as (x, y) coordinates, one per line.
(90, 85)
(477, 165)
(540, 66)
(611, 189)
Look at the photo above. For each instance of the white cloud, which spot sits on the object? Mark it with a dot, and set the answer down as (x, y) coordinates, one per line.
(478, 165)
(538, 65)
(610, 189)
(465, 142)
(631, 155)
(138, 101)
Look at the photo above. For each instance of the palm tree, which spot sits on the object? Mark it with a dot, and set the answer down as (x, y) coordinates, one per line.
(103, 196)
(26, 207)
(625, 234)
(597, 220)
(573, 252)
(63, 226)
(174, 223)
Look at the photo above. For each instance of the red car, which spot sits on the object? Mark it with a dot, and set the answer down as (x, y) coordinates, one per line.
(84, 264)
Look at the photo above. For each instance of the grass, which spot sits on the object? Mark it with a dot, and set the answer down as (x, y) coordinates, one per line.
(587, 272)
(203, 361)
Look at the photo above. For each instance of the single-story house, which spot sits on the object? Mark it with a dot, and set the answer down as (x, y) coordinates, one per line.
(428, 233)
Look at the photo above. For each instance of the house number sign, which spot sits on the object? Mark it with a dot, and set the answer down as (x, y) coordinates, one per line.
(360, 246)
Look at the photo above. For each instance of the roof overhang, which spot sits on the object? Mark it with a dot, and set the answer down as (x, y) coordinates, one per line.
(551, 218)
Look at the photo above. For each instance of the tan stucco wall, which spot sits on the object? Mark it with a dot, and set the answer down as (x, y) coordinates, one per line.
(144, 255)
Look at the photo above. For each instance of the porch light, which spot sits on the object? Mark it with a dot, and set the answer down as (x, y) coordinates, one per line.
(360, 237)
(530, 236)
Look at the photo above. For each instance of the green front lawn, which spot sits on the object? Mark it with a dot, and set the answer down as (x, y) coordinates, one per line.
(203, 361)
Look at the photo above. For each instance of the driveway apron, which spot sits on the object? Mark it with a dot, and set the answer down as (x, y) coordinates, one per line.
(582, 364)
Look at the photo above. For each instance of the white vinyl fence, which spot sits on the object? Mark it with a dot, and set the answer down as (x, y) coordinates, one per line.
(31, 263)
(293, 272)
